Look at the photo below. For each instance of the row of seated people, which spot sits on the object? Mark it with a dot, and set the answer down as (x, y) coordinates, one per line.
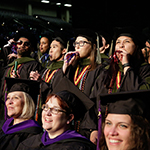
(85, 71)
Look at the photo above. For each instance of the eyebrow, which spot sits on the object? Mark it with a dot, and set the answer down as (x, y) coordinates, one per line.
(54, 45)
(125, 39)
(117, 122)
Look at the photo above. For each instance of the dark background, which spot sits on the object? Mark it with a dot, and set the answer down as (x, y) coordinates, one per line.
(107, 14)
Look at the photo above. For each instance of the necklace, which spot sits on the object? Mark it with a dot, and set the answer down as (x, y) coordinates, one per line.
(77, 77)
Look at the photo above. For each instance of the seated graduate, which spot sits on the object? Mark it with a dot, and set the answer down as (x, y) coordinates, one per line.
(127, 69)
(24, 64)
(60, 111)
(20, 111)
(126, 123)
(58, 48)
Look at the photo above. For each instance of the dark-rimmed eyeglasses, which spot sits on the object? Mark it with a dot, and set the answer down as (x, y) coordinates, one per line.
(80, 43)
(25, 43)
(53, 110)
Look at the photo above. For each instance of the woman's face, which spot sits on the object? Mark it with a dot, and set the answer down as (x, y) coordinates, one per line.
(44, 45)
(14, 104)
(56, 52)
(85, 50)
(54, 123)
(117, 131)
(125, 43)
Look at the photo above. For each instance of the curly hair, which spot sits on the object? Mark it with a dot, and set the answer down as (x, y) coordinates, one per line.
(140, 134)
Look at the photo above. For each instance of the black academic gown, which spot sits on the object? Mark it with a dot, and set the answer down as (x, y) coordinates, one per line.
(11, 141)
(48, 76)
(134, 79)
(35, 143)
(25, 66)
(89, 123)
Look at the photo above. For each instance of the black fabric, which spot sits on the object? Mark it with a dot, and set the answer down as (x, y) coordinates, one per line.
(35, 143)
(24, 71)
(11, 141)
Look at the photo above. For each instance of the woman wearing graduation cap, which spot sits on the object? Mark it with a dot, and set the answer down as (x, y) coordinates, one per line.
(20, 111)
(59, 112)
(125, 125)
(127, 69)
(82, 67)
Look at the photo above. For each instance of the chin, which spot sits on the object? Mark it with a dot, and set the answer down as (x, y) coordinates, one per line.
(47, 128)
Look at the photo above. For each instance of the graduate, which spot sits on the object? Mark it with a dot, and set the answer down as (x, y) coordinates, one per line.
(60, 112)
(125, 121)
(127, 69)
(58, 48)
(20, 110)
(43, 52)
(82, 67)
(24, 64)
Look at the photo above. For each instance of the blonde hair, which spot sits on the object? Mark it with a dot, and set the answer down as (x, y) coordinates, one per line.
(28, 108)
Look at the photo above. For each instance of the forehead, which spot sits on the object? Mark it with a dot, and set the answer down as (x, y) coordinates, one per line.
(23, 39)
(124, 38)
(53, 101)
(81, 38)
(18, 93)
(44, 39)
(54, 42)
(119, 118)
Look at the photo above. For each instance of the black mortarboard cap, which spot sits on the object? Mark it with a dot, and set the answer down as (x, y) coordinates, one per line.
(77, 100)
(29, 86)
(105, 35)
(89, 34)
(131, 103)
(136, 35)
(63, 37)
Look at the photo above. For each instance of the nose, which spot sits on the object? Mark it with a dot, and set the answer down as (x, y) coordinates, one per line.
(113, 131)
(50, 50)
(77, 46)
(121, 44)
(10, 101)
(48, 113)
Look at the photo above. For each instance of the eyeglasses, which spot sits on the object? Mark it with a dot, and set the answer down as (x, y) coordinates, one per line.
(53, 110)
(80, 43)
(25, 43)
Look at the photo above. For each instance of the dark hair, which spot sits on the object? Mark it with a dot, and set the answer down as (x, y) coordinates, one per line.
(140, 134)
(135, 61)
(62, 43)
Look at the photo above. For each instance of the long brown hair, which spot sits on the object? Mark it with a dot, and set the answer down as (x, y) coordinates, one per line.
(93, 57)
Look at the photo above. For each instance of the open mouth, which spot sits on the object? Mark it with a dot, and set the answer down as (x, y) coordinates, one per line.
(48, 120)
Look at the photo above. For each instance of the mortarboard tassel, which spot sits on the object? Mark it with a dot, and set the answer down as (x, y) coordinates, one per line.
(37, 106)
(5, 111)
(99, 125)
(67, 46)
(15, 68)
(98, 57)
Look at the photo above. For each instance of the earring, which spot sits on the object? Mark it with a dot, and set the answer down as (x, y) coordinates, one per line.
(68, 122)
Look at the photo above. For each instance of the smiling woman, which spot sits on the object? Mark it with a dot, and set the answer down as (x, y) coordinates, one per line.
(20, 110)
(126, 125)
(117, 130)
(59, 111)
